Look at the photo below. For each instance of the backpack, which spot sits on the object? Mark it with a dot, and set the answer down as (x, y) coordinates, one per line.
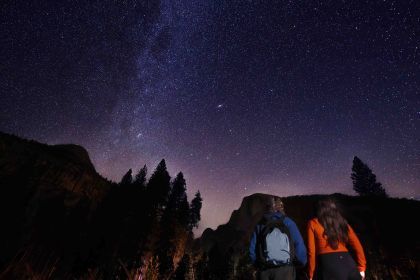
(274, 244)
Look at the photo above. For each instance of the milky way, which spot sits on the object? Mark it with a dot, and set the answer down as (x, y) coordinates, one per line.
(241, 96)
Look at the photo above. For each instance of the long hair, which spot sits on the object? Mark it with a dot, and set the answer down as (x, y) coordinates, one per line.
(335, 226)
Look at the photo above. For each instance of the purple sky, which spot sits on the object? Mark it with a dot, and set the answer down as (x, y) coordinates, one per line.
(241, 96)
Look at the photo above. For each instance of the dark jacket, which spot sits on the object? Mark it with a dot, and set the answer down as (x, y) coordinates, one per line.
(300, 248)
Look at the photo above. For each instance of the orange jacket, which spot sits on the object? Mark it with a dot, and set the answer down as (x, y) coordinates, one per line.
(317, 244)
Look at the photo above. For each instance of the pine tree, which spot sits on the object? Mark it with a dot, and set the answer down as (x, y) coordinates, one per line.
(140, 179)
(159, 187)
(127, 179)
(195, 209)
(172, 220)
(178, 192)
(183, 212)
(364, 181)
(179, 200)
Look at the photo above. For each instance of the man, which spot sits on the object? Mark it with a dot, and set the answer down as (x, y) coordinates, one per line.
(276, 245)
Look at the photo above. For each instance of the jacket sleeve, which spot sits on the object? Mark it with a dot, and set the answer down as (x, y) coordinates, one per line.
(358, 250)
(311, 250)
(300, 248)
(252, 253)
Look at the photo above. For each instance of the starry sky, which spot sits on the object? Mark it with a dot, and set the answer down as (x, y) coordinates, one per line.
(241, 96)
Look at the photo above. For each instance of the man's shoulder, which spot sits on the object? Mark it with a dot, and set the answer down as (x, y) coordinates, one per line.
(288, 220)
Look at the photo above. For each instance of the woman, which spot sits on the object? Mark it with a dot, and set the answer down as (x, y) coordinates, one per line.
(328, 237)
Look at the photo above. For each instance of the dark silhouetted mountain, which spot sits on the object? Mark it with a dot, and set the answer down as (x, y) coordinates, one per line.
(49, 167)
(48, 194)
(386, 227)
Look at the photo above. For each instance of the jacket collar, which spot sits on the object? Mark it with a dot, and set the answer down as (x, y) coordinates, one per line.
(273, 215)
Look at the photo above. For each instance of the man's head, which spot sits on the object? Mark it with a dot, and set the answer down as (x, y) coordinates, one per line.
(275, 205)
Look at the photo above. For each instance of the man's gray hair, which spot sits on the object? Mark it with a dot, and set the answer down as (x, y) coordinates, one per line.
(276, 204)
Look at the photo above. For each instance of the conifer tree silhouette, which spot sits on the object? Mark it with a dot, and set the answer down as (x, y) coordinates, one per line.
(174, 221)
(140, 178)
(183, 212)
(177, 192)
(159, 187)
(195, 216)
(127, 179)
(364, 181)
(178, 202)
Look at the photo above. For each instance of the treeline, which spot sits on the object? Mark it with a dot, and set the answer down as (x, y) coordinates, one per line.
(143, 227)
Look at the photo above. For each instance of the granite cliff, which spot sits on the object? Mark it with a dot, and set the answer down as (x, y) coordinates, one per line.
(47, 196)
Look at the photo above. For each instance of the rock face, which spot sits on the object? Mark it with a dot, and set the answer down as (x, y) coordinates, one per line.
(386, 228)
(236, 232)
(64, 167)
(47, 193)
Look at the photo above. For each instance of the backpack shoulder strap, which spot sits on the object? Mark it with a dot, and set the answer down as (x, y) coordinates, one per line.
(261, 224)
(282, 218)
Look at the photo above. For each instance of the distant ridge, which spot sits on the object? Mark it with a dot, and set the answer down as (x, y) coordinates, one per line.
(71, 152)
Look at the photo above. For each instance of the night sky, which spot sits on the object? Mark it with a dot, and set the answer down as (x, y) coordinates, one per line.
(241, 96)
